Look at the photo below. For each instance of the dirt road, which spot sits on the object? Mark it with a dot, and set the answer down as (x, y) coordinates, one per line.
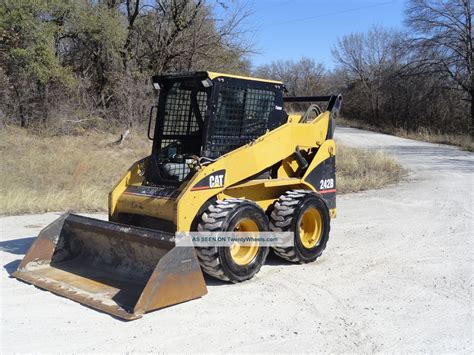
(396, 276)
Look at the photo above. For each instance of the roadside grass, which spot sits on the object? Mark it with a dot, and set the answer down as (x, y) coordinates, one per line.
(359, 170)
(75, 173)
(463, 141)
(41, 174)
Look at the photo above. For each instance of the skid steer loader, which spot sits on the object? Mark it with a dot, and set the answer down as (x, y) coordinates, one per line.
(225, 157)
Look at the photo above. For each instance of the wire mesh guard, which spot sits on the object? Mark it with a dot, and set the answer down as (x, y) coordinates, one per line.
(182, 129)
(241, 116)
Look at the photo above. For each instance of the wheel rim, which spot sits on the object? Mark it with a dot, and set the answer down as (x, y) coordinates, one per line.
(244, 255)
(311, 227)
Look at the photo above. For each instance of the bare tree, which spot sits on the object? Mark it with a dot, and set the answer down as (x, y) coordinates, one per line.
(365, 60)
(303, 77)
(443, 36)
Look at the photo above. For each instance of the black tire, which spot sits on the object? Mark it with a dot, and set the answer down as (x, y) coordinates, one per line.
(223, 216)
(286, 217)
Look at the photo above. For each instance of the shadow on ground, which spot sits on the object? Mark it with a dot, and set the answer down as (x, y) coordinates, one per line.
(12, 266)
(275, 260)
(17, 246)
(272, 260)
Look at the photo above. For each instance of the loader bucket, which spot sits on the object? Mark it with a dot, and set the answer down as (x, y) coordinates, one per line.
(118, 269)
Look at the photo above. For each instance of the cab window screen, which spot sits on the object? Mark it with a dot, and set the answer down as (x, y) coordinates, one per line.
(180, 123)
(180, 118)
(180, 130)
(241, 116)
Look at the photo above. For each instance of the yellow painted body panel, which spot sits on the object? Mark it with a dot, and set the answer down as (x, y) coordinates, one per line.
(213, 75)
(263, 192)
(148, 206)
(121, 202)
(325, 151)
(131, 177)
(294, 118)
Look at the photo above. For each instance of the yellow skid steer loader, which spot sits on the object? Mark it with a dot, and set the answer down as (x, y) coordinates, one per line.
(225, 157)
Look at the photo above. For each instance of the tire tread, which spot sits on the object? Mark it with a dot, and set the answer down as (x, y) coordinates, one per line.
(281, 219)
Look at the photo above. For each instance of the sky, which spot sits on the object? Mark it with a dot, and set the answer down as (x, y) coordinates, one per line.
(290, 29)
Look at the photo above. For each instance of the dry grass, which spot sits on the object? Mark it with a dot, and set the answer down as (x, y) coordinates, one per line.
(359, 170)
(41, 174)
(463, 141)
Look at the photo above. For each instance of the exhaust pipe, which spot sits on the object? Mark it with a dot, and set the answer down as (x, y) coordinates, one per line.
(118, 269)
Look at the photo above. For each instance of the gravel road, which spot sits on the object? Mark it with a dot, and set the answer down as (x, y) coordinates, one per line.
(396, 276)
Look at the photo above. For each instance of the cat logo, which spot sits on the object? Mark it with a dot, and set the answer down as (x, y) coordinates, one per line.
(216, 181)
(212, 181)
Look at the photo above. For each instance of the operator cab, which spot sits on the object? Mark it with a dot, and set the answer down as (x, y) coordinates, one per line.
(203, 115)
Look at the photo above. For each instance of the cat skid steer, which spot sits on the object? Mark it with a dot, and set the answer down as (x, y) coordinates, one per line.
(225, 157)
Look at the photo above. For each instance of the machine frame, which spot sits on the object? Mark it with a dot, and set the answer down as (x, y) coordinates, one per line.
(228, 175)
